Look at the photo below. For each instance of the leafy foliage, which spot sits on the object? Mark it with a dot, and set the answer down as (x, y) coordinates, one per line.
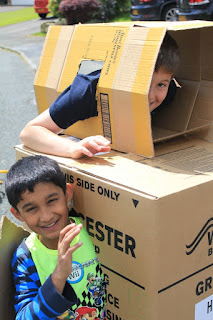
(113, 8)
(76, 11)
(53, 7)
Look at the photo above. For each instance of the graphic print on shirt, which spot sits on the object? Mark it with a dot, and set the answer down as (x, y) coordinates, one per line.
(86, 277)
(67, 315)
(96, 288)
(87, 313)
(91, 302)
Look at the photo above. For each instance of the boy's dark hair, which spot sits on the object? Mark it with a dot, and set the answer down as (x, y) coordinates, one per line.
(168, 56)
(28, 172)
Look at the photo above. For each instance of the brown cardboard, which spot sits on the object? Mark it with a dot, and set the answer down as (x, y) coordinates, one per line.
(11, 236)
(151, 223)
(129, 52)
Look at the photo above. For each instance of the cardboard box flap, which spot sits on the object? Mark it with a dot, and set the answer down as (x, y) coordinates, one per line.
(203, 105)
(140, 49)
(190, 66)
(206, 54)
(125, 50)
(172, 25)
(50, 66)
(174, 169)
(88, 43)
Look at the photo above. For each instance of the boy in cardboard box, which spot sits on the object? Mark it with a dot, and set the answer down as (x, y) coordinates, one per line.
(51, 266)
(78, 102)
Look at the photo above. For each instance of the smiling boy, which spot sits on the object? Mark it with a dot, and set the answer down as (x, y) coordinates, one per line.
(50, 280)
(167, 62)
(159, 88)
(78, 102)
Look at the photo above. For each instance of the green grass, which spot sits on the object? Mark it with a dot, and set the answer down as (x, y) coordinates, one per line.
(11, 17)
(39, 34)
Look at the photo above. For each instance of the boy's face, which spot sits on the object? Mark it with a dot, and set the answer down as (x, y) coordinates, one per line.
(158, 88)
(45, 211)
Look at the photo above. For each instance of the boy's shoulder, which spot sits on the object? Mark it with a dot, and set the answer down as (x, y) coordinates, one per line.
(22, 249)
(22, 264)
(22, 254)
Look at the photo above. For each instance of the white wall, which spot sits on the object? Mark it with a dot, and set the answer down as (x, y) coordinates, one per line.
(22, 2)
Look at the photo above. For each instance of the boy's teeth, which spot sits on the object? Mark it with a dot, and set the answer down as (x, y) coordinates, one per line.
(50, 225)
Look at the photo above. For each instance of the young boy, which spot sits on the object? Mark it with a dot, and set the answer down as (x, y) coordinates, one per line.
(78, 102)
(51, 266)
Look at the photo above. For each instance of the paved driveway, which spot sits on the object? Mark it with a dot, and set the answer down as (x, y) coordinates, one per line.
(19, 57)
(19, 38)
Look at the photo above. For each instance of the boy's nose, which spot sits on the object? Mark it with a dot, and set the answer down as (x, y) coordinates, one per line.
(45, 215)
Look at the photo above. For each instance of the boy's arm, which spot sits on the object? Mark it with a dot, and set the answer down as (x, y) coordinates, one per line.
(77, 102)
(41, 134)
(34, 301)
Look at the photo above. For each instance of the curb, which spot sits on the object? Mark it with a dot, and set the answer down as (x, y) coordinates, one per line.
(23, 56)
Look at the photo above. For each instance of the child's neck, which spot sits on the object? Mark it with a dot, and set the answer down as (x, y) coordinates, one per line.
(49, 243)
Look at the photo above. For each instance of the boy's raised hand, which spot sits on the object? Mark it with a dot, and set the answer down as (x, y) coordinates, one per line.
(64, 265)
(90, 146)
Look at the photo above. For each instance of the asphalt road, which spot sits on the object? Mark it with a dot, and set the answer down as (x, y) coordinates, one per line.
(19, 57)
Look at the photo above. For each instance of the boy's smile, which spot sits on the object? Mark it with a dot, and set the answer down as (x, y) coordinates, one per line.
(45, 211)
(158, 88)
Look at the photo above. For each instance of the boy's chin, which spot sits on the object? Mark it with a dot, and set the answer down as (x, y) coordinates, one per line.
(153, 107)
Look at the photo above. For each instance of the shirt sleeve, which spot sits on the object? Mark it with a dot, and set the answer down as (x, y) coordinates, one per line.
(33, 301)
(77, 102)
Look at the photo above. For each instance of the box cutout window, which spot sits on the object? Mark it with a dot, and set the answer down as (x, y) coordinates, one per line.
(88, 66)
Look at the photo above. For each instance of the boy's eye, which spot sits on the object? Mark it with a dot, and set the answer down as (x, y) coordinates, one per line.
(52, 200)
(30, 209)
(161, 85)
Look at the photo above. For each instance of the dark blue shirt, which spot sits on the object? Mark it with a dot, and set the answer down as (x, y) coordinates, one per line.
(77, 102)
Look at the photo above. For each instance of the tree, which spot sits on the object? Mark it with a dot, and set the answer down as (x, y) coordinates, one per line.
(76, 11)
(112, 8)
(53, 7)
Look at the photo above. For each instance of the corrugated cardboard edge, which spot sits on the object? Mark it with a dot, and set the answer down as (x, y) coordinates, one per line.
(10, 237)
(146, 181)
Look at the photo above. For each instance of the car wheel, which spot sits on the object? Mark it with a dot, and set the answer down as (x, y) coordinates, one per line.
(170, 13)
(42, 15)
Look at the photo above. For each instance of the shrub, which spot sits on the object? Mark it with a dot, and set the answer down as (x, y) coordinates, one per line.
(76, 11)
(53, 7)
(113, 8)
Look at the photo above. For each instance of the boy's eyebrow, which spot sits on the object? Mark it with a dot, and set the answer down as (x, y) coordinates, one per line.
(52, 194)
(27, 205)
(166, 80)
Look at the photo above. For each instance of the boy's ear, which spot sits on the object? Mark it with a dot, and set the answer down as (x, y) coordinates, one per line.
(69, 192)
(16, 214)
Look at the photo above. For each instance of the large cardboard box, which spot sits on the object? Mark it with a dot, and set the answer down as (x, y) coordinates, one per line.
(127, 53)
(151, 223)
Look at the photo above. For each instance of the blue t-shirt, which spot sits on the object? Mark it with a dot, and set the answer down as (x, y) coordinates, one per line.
(78, 101)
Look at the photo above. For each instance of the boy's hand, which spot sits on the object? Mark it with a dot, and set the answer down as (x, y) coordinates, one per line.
(90, 146)
(64, 265)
